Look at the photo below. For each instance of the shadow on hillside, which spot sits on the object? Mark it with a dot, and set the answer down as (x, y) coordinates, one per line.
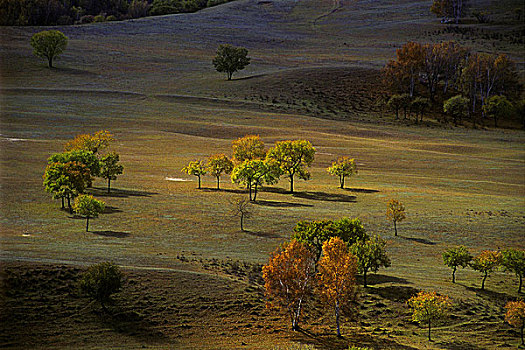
(132, 324)
(280, 204)
(395, 293)
(249, 77)
(458, 345)
(418, 240)
(74, 71)
(360, 190)
(316, 196)
(111, 210)
(109, 233)
(103, 192)
(262, 234)
(227, 190)
(373, 279)
(490, 294)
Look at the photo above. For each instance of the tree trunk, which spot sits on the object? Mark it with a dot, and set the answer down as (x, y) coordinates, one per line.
(454, 275)
(87, 223)
(69, 204)
(395, 227)
(109, 185)
(230, 75)
(521, 282)
(291, 184)
(429, 331)
(364, 278)
(199, 182)
(242, 221)
(218, 180)
(250, 191)
(255, 192)
(50, 61)
(62, 202)
(342, 181)
(337, 318)
(483, 282)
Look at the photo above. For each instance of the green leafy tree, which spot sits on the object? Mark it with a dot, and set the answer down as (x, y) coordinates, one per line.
(195, 168)
(100, 281)
(457, 107)
(514, 261)
(455, 257)
(371, 255)
(109, 168)
(336, 278)
(395, 212)
(88, 207)
(255, 173)
(428, 307)
(343, 167)
(486, 262)
(293, 157)
(66, 180)
(88, 158)
(395, 103)
(49, 44)
(217, 165)
(249, 147)
(230, 59)
(419, 105)
(498, 107)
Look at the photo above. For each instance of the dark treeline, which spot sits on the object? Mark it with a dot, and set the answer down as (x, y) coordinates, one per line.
(64, 12)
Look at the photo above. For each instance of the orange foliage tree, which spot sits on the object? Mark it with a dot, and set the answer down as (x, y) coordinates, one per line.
(288, 278)
(486, 262)
(336, 277)
(93, 143)
(428, 307)
(516, 315)
(402, 74)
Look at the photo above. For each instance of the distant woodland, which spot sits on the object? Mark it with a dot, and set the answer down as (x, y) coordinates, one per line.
(65, 12)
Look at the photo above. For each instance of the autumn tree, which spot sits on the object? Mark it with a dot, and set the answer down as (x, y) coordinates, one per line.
(249, 147)
(109, 168)
(395, 212)
(457, 107)
(454, 9)
(343, 167)
(49, 44)
(288, 278)
(95, 143)
(428, 307)
(217, 165)
(515, 315)
(100, 281)
(455, 257)
(371, 255)
(486, 262)
(230, 59)
(88, 207)
(255, 173)
(514, 261)
(497, 107)
(86, 158)
(241, 208)
(293, 158)
(195, 168)
(336, 277)
(66, 180)
(402, 73)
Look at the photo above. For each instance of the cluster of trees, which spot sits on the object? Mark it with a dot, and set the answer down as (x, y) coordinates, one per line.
(252, 166)
(512, 260)
(70, 173)
(465, 83)
(322, 258)
(450, 10)
(65, 12)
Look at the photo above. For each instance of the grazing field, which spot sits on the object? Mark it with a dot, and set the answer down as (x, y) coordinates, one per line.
(192, 276)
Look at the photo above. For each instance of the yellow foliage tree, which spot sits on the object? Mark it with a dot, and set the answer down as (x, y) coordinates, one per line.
(336, 277)
(486, 262)
(288, 278)
(249, 147)
(516, 315)
(428, 307)
(87, 142)
(395, 212)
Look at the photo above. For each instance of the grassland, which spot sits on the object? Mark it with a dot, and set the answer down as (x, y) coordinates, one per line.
(192, 280)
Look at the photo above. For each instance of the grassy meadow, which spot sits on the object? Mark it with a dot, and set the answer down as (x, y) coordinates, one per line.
(192, 276)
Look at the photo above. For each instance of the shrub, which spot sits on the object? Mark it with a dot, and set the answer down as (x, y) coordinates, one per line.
(86, 19)
(100, 281)
(99, 18)
(111, 18)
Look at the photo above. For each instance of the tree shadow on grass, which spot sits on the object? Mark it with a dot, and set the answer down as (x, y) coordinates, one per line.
(226, 190)
(111, 210)
(373, 279)
(109, 233)
(418, 240)
(326, 197)
(103, 192)
(360, 190)
(263, 234)
(280, 204)
(458, 345)
(395, 293)
(498, 297)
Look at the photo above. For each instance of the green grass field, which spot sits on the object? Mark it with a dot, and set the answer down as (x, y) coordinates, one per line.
(192, 280)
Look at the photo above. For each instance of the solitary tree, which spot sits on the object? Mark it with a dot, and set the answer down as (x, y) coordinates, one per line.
(288, 278)
(457, 107)
(255, 173)
(89, 207)
(49, 44)
(99, 141)
(371, 255)
(497, 107)
(230, 59)
(336, 277)
(395, 212)
(249, 147)
(66, 180)
(293, 157)
(486, 262)
(514, 261)
(241, 208)
(343, 167)
(217, 165)
(100, 281)
(195, 168)
(516, 315)
(109, 167)
(455, 257)
(428, 307)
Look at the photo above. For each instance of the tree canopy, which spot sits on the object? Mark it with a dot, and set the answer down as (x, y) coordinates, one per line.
(66, 180)
(195, 168)
(486, 262)
(100, 281)
(109, 168)
(255, 173)
(455, 257)
(217, 165)
(88, 207)
(515, 316)
(371, 255)
(249, 147)
(514, 261)
(428, 307)
(49, 44)
(343, 167)
(230, 59)
(395, 212)
(99, 141)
